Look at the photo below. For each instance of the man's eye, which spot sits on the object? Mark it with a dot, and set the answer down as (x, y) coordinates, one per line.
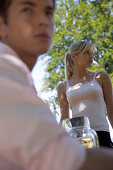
(50, 13)
(26, 10)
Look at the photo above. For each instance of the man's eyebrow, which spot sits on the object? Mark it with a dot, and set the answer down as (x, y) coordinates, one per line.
(27, 3)
(50, 8)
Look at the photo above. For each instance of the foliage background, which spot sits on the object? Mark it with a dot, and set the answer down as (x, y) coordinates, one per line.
(78, 20)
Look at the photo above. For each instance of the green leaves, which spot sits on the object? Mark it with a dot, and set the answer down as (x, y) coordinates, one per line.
(76, 20)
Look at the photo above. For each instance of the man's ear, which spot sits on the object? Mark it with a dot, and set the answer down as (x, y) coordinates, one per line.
(3, 32)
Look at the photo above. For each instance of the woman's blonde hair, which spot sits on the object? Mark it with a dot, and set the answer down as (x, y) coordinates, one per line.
(77, 47)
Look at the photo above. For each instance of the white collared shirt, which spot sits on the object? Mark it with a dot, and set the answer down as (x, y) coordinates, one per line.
(30, 138)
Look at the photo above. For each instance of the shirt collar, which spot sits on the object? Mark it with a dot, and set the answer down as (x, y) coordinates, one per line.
(5, 49)
(10, 55)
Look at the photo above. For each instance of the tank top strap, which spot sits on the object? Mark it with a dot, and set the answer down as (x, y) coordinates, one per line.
(94, 76)
(67, 83)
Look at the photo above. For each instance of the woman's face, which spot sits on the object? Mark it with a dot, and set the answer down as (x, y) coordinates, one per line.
(84, 58)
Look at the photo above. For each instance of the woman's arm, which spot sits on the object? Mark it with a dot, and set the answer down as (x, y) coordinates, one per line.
(108, 95)
(64, 105)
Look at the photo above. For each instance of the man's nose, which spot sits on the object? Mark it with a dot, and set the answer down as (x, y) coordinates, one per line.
(41, 19)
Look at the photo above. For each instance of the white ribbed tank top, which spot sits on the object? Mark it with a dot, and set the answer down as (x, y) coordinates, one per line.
(88, 100)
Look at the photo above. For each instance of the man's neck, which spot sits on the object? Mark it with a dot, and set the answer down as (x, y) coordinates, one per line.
(29, 61)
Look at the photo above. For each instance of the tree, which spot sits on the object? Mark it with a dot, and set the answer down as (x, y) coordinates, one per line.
(76, 20)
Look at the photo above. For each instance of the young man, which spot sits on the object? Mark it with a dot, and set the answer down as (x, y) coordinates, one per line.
(30, 138)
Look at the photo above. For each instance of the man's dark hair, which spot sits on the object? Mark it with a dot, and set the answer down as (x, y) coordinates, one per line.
(4, 6)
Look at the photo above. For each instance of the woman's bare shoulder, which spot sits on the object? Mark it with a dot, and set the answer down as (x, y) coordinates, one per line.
(62, 86)
(102, 75)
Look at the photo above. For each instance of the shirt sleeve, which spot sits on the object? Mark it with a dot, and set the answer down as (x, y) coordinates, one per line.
(30, 137)
(62, 153)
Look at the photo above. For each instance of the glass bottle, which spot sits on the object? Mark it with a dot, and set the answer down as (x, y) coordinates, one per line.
(79, 128)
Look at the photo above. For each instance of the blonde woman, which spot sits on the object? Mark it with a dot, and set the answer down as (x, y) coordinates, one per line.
(86, 93)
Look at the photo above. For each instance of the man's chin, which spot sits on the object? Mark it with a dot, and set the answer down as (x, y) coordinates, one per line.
(44, 50)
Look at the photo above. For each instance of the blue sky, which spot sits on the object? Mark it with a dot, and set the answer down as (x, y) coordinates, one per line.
(38, 75)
